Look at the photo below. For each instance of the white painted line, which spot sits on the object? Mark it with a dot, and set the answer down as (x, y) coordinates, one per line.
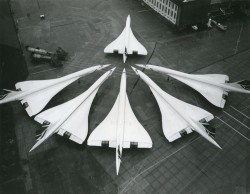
(233, 129)
(229, 119)
(236, 120)
(156, 163)
(205, 166)
(240, 112)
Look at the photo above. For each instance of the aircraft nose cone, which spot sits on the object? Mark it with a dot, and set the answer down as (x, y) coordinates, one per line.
(135, 70)
(112, 70)
(104, 66)
(143, 66)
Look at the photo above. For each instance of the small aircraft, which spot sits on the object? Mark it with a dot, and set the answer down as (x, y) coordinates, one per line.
(126, 43)
(120, 129)
(70, 119)
(179, 118)
(213, 87)
(35, 94)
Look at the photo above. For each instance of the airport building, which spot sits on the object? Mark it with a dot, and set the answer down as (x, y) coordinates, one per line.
(181, 13)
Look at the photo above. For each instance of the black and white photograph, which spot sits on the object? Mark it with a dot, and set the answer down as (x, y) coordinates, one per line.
(124, 96)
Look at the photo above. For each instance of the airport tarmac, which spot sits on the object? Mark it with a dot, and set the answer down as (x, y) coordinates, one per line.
(188, 165)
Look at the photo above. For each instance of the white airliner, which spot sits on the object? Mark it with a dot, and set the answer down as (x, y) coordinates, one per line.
(213, 87)
(70, 119)
(120, 129)
(179, 118)
(35, 94)
(126, 43)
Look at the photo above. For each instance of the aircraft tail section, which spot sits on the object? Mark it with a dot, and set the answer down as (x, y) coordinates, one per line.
(202, 130)
(45, 135)
(241, 86)
(8, 96)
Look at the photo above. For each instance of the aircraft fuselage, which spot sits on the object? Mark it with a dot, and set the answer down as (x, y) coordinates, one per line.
(120, 121)
(19, 95)
(170, 72)
(126, 40)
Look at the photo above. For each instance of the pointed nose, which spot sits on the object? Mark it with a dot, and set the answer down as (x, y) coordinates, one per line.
(142, 66)
(103, 66)
(112, 70)
(135, 70)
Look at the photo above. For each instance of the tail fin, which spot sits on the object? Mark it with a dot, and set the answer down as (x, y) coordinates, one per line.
(45, 135)
(243, 86)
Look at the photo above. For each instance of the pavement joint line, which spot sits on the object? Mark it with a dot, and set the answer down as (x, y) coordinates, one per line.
(138, 79)
(205, 166)
(43, 71)
(158, 162)
(236, 120)
(143, 161)
(238, 40)
(78, 66)
(239, 112)
(219, 60)
(67, 24)
(233, 129)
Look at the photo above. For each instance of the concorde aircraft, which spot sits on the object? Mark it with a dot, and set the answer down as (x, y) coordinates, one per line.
(120, 129)
(213, 87)
(70, 119)
(179, 118)
(126, 43)
(35, 94)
